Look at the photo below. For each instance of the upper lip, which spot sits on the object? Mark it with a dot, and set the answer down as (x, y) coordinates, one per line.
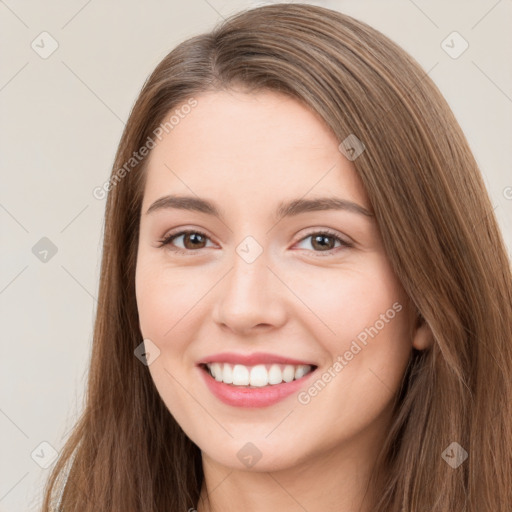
(251, 359)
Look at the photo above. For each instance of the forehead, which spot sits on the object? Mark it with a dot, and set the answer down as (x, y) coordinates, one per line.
(250, 146)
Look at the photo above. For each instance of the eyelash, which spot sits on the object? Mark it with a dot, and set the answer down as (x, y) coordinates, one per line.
(168, 239)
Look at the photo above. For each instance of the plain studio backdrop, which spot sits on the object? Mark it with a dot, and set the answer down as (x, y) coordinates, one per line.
(70, 74)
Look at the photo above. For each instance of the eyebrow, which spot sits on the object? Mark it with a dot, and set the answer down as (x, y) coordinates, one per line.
(284, 209)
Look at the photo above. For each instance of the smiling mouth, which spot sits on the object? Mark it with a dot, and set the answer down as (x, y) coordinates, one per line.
(256, 376)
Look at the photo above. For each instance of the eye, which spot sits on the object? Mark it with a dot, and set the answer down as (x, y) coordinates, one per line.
(195, 240)
(320, 239)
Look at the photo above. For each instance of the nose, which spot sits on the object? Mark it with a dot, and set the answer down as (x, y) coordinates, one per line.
(250, 297)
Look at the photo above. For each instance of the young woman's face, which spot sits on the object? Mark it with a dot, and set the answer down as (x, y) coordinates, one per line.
(294, 285)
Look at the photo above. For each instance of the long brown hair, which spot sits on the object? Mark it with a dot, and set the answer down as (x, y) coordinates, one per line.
(127, 453)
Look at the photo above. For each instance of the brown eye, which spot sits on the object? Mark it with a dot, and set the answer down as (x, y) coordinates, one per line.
(325, 242)
(191, 240)
(322, 242)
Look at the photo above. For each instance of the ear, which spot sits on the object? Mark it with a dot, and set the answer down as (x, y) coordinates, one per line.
(422, 335)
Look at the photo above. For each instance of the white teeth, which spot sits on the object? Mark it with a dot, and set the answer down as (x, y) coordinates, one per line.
(240, 375)
(257, 376)
(217, 371)
(300, 371)
(288, 373)
(275, 376)
(227, 374)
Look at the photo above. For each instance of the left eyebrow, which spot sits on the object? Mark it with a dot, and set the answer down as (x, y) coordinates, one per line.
(284, 209)
(298, 206)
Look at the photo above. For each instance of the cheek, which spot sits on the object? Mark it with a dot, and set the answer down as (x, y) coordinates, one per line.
(343, 303)
(360, 320)
(166, 298)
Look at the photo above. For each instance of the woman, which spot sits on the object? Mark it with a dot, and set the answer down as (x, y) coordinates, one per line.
(305, 300)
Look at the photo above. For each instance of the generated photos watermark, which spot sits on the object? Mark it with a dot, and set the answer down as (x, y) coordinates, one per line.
(305, 397)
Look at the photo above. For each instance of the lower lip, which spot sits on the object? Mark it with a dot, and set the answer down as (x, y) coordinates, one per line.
(239, 396)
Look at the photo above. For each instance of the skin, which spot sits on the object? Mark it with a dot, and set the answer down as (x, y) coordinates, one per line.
(247, 152)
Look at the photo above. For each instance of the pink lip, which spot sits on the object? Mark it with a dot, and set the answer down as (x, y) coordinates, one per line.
(251, 359)
(238, 396)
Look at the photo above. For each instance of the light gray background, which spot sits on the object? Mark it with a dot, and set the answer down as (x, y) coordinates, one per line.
(61, 120)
